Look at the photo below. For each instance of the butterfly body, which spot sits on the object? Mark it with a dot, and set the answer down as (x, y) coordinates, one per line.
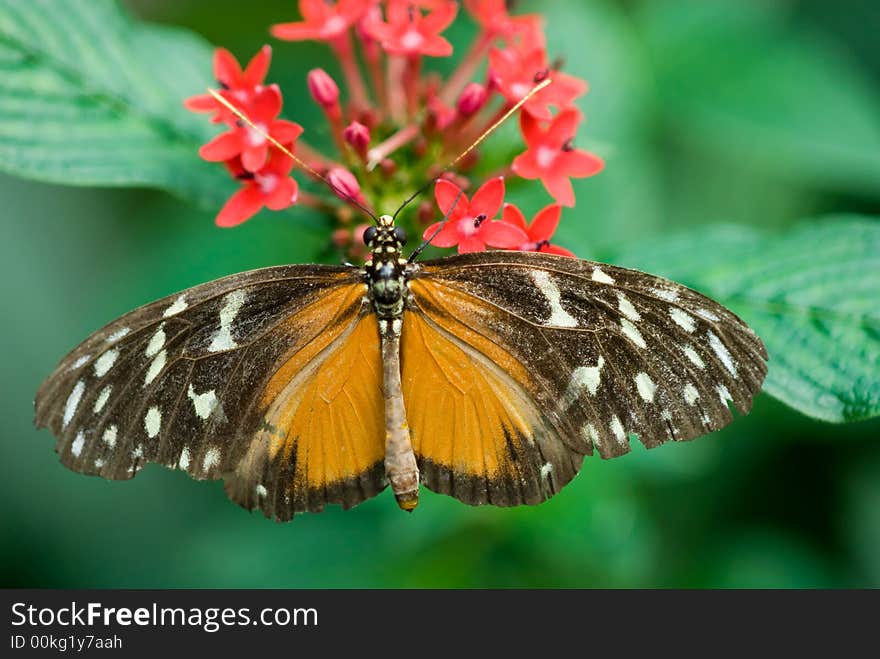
(486, 376)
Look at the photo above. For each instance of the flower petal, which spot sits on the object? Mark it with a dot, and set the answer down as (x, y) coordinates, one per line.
(266, 104)
(441, 18)
(513, 215)
(227, 70)
(472, 244)
(556, 249)
(447, 237)
(285, 131)
(531, 129)
(447, 193)
(254, 158)
(488, 198)
(241, 206)
(501, 234)
(223, 147)
(294, 31)
(283, 195)
(257, 68)
(545, 223)
(525, 167)
(201, 103)
(563, 127)
(580, 164)
(559, 188)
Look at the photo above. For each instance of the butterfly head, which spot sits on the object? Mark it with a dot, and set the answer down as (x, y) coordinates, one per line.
(385, 240)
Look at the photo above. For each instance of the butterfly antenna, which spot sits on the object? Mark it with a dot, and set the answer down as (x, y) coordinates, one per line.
(491, 129)
(421, 248)
(299, 161)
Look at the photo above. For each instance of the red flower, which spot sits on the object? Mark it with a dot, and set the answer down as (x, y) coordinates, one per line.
(248, 143)
(324, 21)
(408, 32)
(494, 18)
(239, 86)
(514, 72)
(469, 224)
(271, 187)
(539, 231)
(550, 157)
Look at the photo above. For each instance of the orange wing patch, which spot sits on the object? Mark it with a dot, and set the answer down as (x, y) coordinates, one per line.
(479, 436)
(322, 439)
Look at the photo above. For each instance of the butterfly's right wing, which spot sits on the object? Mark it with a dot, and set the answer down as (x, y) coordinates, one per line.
(515, 365)
(269, 379)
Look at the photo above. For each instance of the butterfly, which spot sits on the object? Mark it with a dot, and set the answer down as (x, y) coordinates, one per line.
(486, 376)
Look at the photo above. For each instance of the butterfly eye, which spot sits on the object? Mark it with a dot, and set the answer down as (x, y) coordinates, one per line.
(400, 235)
(370, 235)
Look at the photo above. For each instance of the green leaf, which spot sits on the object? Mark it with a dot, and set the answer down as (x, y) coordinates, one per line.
(89, 97)
(812, 294)
(739, 79)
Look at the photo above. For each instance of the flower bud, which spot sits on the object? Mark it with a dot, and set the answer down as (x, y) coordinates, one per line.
(472, 99)
(344, 184)
(323, 89)
(358, 136)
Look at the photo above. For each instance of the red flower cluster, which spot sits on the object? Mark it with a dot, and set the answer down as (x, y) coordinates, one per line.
(399, 125)
(249, 156)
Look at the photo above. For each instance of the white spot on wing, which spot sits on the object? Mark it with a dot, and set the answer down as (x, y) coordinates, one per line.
(73, 402)
(109, 436)
(261, 491)
(558, 316)
(223, 338)
(601, 277)
(79, 362)
(646, 387)
(618, 431)
(589, 431)
(585, 377)
(183, 463)
(178, 306)
(666, 294)
(684, 320)
(102, 398)
(156, 342)
(724, 394)
(632, 333)
(691, 354)
(153, 422)
(204, 403)
(706, 314)
(690, 394)
(546, 469)
(212, 458)
(627, 309)
(138, 453)
(156, 367)
(721, 350)
(78, 443)
(118, 334)
(99, 462)
(105, 362)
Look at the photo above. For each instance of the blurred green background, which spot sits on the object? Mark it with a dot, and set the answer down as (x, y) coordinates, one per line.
(758, 113)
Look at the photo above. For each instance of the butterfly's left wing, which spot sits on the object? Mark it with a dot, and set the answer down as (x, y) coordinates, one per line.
(516, 365)
(269, 379)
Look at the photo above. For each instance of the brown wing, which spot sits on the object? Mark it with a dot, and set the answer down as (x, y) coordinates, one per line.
(188, 382)
(588, 354)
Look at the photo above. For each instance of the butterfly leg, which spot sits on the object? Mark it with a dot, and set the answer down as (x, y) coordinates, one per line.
(400, 461)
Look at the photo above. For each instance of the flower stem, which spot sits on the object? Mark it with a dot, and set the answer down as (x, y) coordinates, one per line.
(381, 151)
(411, 75)
(396, 92)
(344, 52)
(465, 71)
